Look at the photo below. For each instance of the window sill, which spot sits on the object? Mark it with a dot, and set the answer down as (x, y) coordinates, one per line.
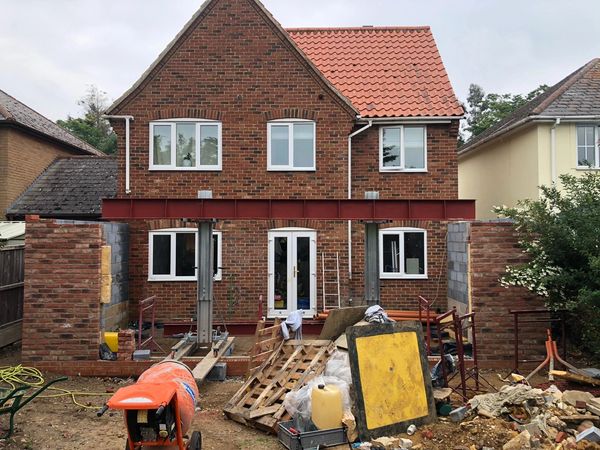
(389, 276)
(587, 169)
(179, 280)
(382, 170)
(291, 169)
(185, 169)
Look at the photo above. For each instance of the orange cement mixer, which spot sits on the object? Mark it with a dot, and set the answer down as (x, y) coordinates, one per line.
(159, 408)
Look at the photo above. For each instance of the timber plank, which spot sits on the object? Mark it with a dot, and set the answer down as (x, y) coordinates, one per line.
(208, 362)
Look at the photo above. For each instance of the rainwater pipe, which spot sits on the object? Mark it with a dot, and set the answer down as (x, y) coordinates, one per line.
(360, 130)
(127, 120)
(553, 150)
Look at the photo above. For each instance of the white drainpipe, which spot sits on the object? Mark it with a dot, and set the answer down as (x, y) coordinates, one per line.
(127, 119)
(360, 130)
(553, 150)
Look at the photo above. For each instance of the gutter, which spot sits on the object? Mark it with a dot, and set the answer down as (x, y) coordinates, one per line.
(416, 119)
(127, 119)
(350, 136)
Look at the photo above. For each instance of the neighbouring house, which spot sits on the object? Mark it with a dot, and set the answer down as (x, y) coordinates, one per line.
(241, 107)
(70, 188)
(555, 133)
(29, 142)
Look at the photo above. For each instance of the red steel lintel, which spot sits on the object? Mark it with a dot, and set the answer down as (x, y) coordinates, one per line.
(266, 209)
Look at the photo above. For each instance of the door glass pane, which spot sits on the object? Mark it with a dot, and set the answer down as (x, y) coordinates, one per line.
(280, 147)
(209, 145)
(391, 253)
(391, 147)
(303, 273)
(281, 272)
(185, 254)
(186, 145)
(414, 253)
(161, 254)
(414, 148)
(162, 144)
(304, 151)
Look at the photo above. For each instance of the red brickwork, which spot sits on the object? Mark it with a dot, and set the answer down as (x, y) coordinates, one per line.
(439, 182)
(126, 345)
(233, 65)
(494, 246)
(61, 311)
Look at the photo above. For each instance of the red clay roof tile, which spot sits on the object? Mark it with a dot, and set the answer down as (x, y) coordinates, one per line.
(384, 71)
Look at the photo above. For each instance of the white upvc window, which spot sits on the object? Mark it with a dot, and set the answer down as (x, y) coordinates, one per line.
(588, 146)
(403, 148)
(172, 255)
(185, 144)
(291, 145)
(403, 253)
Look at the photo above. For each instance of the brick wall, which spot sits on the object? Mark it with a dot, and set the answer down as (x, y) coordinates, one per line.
(493, 246)
(22, 158)
(439, 182)
(61, 313)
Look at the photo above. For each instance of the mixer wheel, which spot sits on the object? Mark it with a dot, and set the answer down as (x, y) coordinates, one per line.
(196, 441)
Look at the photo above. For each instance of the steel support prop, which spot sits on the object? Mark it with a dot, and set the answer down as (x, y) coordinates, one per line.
(204, 253)
(372, 263)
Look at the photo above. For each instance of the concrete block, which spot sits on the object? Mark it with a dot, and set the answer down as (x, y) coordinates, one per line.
(218, 372)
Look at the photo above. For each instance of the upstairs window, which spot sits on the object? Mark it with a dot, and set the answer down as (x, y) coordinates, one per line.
(403, 149)
(291, 145)
(587, 146)
(185, 144)
(403, 253)
(172, 255)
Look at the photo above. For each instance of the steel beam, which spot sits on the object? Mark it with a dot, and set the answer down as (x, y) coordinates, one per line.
(267, 209)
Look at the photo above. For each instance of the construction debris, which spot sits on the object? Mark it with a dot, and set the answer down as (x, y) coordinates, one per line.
(259, 402)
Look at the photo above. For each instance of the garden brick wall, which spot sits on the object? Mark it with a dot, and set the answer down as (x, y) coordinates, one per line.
(258, 77)
(493, 246)
(61, 313)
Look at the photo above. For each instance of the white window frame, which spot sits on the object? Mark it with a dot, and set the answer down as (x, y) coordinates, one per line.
(401, 275)
(290, 167)
(173, 232)
(173, 165)
(401, 168)
(596, 128)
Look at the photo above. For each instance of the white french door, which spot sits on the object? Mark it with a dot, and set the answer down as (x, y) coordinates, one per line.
(292, 272)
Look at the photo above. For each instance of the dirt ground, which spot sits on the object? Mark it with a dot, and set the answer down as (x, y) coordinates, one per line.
(58, 423)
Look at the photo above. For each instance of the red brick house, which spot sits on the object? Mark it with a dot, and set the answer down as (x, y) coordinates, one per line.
(241, 107)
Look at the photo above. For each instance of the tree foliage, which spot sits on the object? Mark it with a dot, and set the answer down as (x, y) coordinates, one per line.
(560, 233)
(92, 127)
(485, 110)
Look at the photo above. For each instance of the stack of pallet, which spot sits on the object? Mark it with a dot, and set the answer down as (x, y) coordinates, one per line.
(259, 402)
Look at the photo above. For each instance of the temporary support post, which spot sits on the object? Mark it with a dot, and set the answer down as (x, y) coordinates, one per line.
(205, 282)
(372, 257)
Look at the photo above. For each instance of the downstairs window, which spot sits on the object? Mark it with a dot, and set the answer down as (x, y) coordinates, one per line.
(403, 253)
(172, 255)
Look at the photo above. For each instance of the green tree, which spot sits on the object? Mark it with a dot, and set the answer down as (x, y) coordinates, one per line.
(92, 127)
(560, 234)
(484, 110)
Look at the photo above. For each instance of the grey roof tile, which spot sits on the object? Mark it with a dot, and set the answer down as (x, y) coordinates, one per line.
(578, 94)
(12, 110)
(69, 187)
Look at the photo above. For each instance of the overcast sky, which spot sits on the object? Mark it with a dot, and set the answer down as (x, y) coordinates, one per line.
(51, 50)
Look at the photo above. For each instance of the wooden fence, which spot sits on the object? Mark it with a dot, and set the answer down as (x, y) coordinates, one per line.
(11, 293)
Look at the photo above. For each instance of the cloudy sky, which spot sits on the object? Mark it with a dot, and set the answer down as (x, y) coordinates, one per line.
(51, 50)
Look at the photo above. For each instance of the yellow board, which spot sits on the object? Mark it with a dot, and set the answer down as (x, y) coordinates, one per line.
(391, 376)
(105, 288)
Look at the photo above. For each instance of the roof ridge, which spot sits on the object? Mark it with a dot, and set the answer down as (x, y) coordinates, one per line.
(567, 81)
(205, 7)
(363, 28)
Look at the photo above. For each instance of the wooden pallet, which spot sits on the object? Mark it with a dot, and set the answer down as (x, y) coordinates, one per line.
(259, 402)
(267, 340)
